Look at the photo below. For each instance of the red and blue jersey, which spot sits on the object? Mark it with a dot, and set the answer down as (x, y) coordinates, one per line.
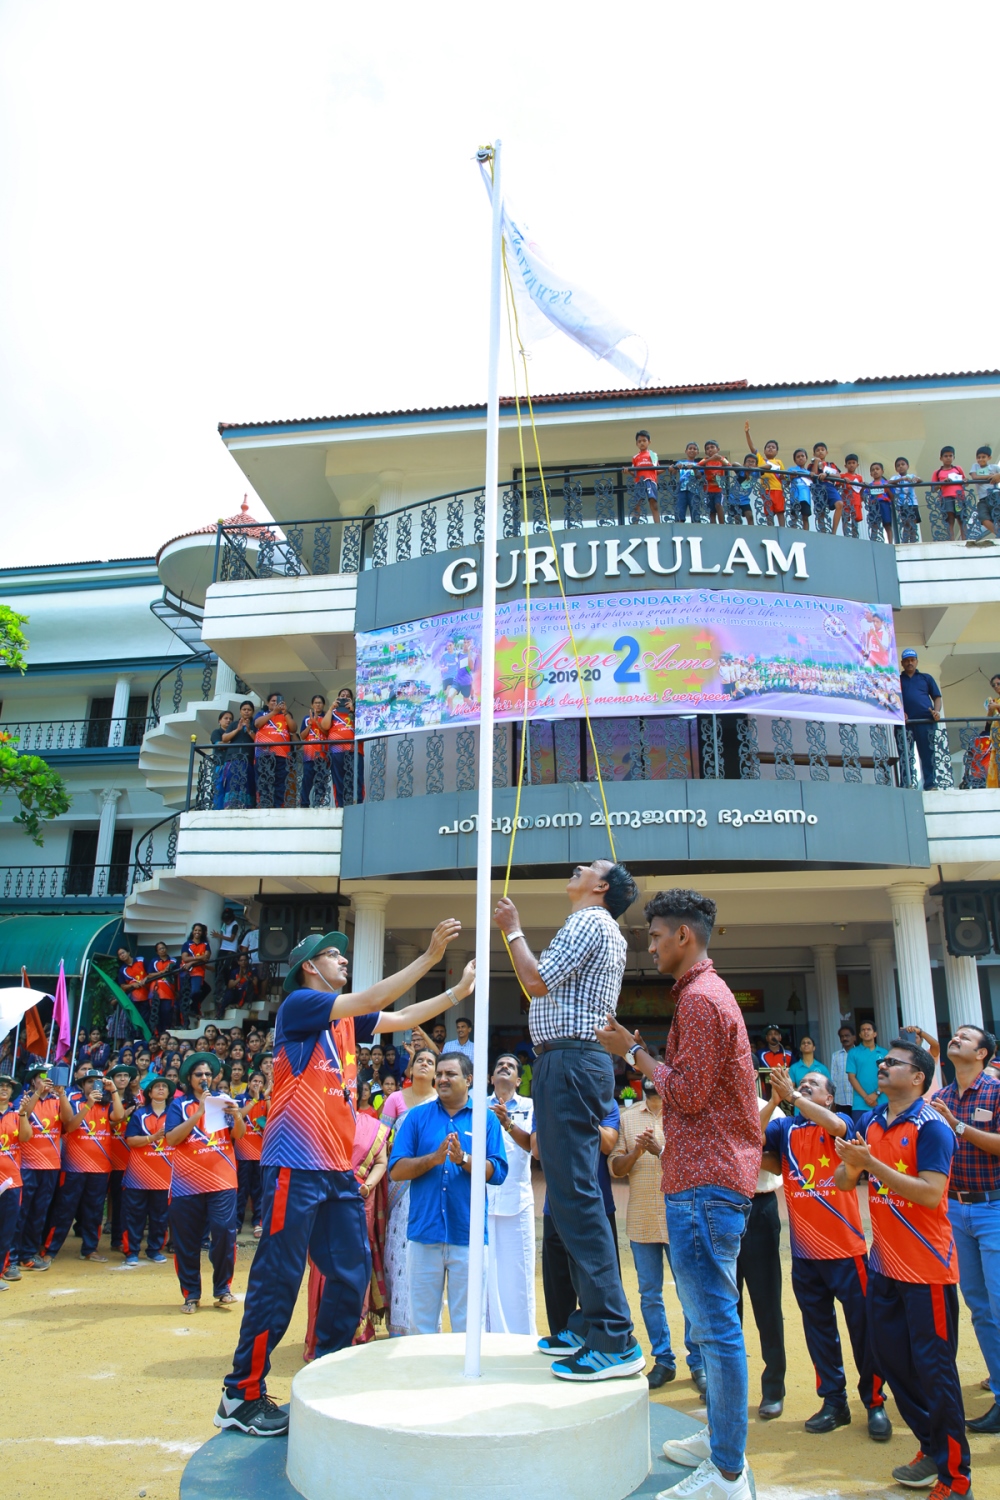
(824, 1221)
(202, 1163)
(910, 1242)
(41, 1153)
(149, 1164)
(251, 1142)
(779, 1059)
(310, 1121)
(88, 1147)
(10, 1147)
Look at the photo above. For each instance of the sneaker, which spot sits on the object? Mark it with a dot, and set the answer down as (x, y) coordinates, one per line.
(130, 1262)
(555, 1344)
(594, 1364)
(706, 1483)
(4, 1284)
(918, 1475)
(36, 1263)
(260, 1418)
(13, 1272)
(158, 1259)
(689, 1451)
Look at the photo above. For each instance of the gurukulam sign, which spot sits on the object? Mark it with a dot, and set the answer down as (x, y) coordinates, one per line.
(638, 652)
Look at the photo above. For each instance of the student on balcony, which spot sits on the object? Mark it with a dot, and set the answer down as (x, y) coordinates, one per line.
(314, 733)
(233, 782)
(342, 761)
(274, 731)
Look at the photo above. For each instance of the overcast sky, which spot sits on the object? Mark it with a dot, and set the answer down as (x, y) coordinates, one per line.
(236, 211)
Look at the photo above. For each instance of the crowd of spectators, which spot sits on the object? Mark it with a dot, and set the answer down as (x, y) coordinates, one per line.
(266, 758)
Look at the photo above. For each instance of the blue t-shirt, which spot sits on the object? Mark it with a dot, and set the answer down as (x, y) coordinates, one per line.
(799, 1069)
(440, 1199)
(611, 1121)
(863, 1063)
(918, 693)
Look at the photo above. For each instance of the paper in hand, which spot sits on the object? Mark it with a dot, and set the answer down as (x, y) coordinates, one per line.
(215, 1117)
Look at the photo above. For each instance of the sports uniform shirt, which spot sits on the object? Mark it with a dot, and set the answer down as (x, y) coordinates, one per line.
(132, 971)
(250, 1143)
(853, 485)
(709, 1089)
(164, 989)
(202, 1163)
(88, 1147)
(582, 969)
(644, 465)
(341, 733)
(197, 950)
(910, 1242)
(117, 1150)
(310, 1121)
(41, 1153)
(314, 737)
(274, 735)
(824, 1220)
(440, 1199)
(148, 1165)
(972, 1169)
(713, 479)
(10, 1147)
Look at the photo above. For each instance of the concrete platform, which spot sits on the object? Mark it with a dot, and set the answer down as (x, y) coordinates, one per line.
(404, 1407)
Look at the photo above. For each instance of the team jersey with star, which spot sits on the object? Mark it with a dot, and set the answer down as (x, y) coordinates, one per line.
(149, 1164)
(41, 1153)
(824, 1221)
(310, 1121)
(910, 1242)
(88, 1147)
(251, 1142)
(202, 1163)
(10, 1148)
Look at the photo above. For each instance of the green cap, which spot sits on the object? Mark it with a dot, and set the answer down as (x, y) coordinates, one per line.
(308, 948)
(192, 1060)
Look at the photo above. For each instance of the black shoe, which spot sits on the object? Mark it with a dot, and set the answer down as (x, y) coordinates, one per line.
(700, 1379)
(989, 1423)
(660, 1375)
(260, 1418)
(830, 1416)
(768, 1410)
(879, 1426)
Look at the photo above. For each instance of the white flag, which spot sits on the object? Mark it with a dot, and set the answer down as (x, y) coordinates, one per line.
(547, 303)
(13, 1005)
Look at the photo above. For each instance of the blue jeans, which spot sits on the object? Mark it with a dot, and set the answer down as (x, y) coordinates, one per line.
(976, 1227)
(649, 1273)
(429, 1267)
(705, 1225)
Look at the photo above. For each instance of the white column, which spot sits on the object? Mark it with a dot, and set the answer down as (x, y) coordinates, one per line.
(390, 490)
(119, 709)
(827, 998)
(913, 959)
(225, 680)
(883, 971)
(105, 837)
(369, 938)
(965, 1005)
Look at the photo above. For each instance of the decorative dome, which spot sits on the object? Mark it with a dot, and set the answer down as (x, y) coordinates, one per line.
(185, 563)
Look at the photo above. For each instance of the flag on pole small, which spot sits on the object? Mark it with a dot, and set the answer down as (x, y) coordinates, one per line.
(547, 303)
(123, 1000)
(60, 1016)
(20, 1004)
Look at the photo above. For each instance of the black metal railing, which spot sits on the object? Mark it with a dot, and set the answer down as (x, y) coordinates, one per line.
(730, 747)
(607, 496)
(143, 862)
(48, 736)
(64, 882)
(206, 663)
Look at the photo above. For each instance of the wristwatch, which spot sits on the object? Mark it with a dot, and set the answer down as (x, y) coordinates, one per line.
(960, 1128)
(466, 1159)
(515, 934)
(630, 1054)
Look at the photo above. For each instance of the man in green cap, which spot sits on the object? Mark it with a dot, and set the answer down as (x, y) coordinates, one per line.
(310, 1196)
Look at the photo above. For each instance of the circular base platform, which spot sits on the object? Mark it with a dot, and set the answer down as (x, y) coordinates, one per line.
(404, 1407)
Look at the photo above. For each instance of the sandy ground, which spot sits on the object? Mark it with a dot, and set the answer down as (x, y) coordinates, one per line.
(108, 1388)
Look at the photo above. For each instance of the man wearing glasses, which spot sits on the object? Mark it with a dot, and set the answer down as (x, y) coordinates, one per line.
(573, 987)
(906, 1148)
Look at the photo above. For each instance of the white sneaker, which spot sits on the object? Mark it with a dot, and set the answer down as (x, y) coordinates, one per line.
(706, 1483)
(690, 1451)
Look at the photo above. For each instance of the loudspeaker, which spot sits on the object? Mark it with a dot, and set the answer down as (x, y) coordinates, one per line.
(967, 924)
(285, 923)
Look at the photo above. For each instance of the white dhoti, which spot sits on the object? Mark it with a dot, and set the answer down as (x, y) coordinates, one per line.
(510, 1285)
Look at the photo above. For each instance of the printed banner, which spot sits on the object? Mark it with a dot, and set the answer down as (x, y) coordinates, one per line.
(691, 651)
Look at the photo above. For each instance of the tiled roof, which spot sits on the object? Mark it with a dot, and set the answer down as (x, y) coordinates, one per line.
(248, 526)
(642, 393)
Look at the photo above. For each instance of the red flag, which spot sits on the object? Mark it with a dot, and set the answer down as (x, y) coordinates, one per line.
(34, 1032)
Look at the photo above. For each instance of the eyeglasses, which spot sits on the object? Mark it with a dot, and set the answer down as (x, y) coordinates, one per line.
(895, 1062)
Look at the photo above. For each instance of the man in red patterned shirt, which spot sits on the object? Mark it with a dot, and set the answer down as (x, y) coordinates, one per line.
(711, 1126)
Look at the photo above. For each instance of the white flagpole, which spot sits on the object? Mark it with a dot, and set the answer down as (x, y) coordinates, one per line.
(484, 844)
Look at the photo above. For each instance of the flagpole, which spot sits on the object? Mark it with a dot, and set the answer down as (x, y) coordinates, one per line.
(79, 1017)
(484, 842)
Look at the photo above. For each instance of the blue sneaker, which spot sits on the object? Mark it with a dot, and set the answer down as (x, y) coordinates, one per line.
(130, 1261)
(157, 1259)
(555, 1344)
(592, 1364)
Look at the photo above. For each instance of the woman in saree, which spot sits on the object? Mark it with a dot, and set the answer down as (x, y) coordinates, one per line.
(993, 730)
(397, 1277)
(370, 1160)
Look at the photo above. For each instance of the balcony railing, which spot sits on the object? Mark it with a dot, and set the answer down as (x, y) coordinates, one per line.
(48, 736)
(732, 747)
(607, 497)
(64, 882)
